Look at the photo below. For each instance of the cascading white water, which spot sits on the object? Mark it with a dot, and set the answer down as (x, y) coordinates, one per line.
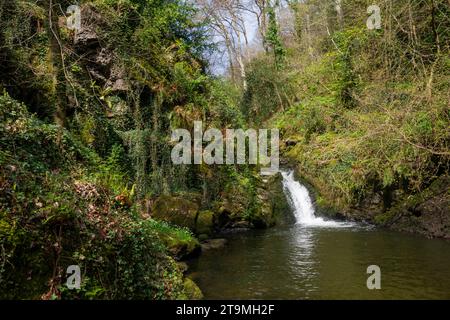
(302, 205)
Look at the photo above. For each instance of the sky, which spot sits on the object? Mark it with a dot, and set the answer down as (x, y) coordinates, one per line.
(219, 61)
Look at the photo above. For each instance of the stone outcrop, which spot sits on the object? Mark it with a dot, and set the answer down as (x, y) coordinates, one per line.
(176, 210)
(426, 213)
(103, 66)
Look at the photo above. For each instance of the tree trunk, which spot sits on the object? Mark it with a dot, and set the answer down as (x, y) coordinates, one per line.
(56, 60)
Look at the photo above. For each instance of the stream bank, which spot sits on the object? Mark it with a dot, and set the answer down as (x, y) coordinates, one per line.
(238, 232)
(251, 204)
(318, 258)
(426, 213)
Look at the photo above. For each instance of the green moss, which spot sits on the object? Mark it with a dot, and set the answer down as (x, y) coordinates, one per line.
(193, 292)
(180, 242)
(385, 218)
(406, 207)
(205, 223)
(55, 215)
(176, 210)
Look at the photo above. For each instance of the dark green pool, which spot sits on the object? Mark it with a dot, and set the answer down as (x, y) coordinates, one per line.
(298, 262)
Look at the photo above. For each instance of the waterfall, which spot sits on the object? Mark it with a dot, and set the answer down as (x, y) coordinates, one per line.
(301, 203)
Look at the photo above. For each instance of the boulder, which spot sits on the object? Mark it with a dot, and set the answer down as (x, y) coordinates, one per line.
(193, 292)
(245, 225)
(181, 249)
(175, 210)
(222, 217)
(205, 223)
(203, 237)
(273, 207)
(213, 244)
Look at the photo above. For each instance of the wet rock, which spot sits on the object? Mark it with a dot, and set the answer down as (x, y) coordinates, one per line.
(203, 237)
(213, 244)
(241, 225)
(273, 208)
(223, 217)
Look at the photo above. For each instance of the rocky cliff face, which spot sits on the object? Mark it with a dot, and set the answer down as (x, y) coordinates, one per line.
(427, 213)
(395, 207)
(103, 66)
(233, 210)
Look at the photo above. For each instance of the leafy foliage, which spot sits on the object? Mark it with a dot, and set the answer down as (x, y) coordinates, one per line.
(373, 111)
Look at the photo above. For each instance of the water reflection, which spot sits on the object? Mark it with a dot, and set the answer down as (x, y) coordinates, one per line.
(318, 259)
(302, 244)
(324, 263)
(302, 263)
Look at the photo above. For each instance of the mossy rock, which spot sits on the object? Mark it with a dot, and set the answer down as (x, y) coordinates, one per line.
(263, 217)
(273, 207)
(222, 216)
(203, 237)
(193, 292)
(205, 223)
(181, 249)
(426, 213)
(175, 210)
